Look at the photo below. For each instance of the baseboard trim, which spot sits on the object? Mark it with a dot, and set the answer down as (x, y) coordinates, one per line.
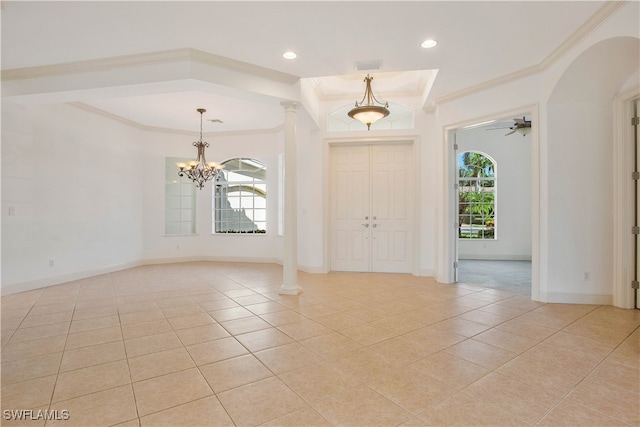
(571, 298)
(172, 260)
(426, 272)
(550, 297)
(490, 257)
(312, 270)
(64, 278)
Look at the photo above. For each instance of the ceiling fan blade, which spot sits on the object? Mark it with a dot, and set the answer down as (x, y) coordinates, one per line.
(513, 131)
(506, 127)
(520, 121)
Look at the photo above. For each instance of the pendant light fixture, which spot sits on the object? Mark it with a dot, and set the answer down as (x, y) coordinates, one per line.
(366, 110)
(200, 171)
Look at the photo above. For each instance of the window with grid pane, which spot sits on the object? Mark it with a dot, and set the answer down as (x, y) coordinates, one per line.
(179, 200)
(476, 196)
(240, 197)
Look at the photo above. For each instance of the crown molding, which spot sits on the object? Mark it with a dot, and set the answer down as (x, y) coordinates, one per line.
(485, 85)
(194, 55)
(134, 124)
(145, 59)
(601, 15)
(418, 91)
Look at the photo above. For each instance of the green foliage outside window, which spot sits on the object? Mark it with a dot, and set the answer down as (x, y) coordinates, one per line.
(476, 196)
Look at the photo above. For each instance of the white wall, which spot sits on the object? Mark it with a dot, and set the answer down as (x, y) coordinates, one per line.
(512, 155)
(74, 182)
(580, 171)
(430, 154)
(89, 195)
(580, 200)
(573, 99)
(311, 225)
(514, 97)
(92, 196)
(158, 247)
(426, 153)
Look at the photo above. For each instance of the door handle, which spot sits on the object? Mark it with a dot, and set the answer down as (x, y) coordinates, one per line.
(366, 225)
(374, 225)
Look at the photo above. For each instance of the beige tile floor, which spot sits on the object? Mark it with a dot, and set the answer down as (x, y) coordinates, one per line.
(214, 344)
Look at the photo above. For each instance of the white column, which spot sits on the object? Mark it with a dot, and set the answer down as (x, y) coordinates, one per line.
(290, 262)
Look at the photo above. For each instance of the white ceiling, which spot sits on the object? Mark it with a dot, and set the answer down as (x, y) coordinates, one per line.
(477, 42)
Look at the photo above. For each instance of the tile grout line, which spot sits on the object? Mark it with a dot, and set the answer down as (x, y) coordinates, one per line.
(562, 399)
(319, 292)
(590, 371)
(213, 393)
(494, 370)
(66, 339)
(126, 355)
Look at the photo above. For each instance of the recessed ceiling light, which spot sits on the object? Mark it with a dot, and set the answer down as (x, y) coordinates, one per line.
(429, 43)
(289, 55)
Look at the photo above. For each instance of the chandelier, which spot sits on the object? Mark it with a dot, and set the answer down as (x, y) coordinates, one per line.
(369, 112)
(200, 171)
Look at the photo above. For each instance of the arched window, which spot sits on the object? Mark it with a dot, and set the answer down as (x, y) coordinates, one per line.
(476, 196)
(240, 197)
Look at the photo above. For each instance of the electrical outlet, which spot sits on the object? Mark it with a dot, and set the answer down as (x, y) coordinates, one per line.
(587, 276)
(50, 263)
(12, 211)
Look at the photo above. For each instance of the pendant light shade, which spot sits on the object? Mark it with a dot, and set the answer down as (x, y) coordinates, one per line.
(366, 111)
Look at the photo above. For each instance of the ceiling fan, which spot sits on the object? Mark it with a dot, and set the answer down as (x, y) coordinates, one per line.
(522, 126)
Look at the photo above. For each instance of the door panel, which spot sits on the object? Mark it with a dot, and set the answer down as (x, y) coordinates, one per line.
(372, 205)
(350, 249)
(391, 205)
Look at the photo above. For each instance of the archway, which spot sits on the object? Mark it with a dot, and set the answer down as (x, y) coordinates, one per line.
(579, 202)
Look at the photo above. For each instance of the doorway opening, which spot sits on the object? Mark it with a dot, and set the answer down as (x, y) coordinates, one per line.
(510, 276)
(493, 203)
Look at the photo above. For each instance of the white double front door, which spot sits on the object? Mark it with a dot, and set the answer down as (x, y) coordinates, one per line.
(372, 208)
